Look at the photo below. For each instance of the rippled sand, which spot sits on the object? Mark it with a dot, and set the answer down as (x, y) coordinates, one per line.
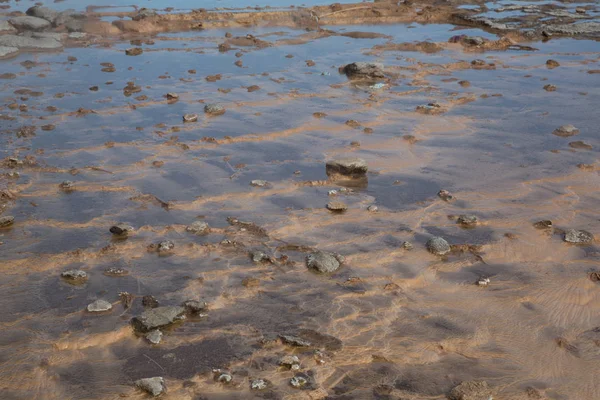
(391, 323)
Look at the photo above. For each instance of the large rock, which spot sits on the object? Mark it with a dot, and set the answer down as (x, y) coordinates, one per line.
(352, 167)
(6, 27)
(29, 43)
(42, 12)
(66, 16)
(27, 23)
(155, 386)
(438, 246)
(578, 237)
(363, 70)
(6, 51)
(471, 390)
(323, 262)
(583, 28)
(157, 317)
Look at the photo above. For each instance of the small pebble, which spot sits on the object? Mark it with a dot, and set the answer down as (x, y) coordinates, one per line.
(372, 208)
(258, 384)
(190, 118)
(445, 195)
(154, 337)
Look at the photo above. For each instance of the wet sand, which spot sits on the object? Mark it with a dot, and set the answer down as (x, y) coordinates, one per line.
(461, 106)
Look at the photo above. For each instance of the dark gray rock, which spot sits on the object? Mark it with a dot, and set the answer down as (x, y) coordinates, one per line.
(68, 15)
(190, 118)
(578, 236)
(445, 195)
(42, 12)
(27, 23)
(471, 390)
(99, 306)
(6, 220)
(121, 229)
(364, 70)
(438, 246)
(157, 318)
(29, 43)
(198, 228)
(322, 262)
(353, 167)
(294, 341)
(154, 386)
(67, 186)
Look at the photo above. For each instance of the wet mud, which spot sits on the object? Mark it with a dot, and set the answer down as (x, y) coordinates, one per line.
(402, 196)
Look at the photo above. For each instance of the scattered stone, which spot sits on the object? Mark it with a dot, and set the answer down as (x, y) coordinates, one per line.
(190, 118)
(198, 228)
(154, 337)
(294, 341)
(550, 88)
(430, 108)
(99, 306)
(258, 384)
(407, 245)
(578, 236)
(363, 70)
(467, 220)
(75, 276)
(6, 220)
(28, 23)
(352, 123)
(121, 229)
(323, 262)
(214, 109)
(195, 306)
(552, 64)
(566, 131)
(134, 51)
(544, 224)
(438, 246)
(472, 390)
(165, 246)
(310, 63)
(6, 51)
(259, 183)
(155, 386)
(298, 381)
(353, 167)
(483, 281)
(115, 271)
(445, 195)
(172, 96)
(250, 282)
(260, 257)
(157, 318)
(149, 301)
(67, 186)
(290, 362)
(337, 206)
(253, 88)
(580, 145)
(223, 377)
(372, 208)
(464, 84)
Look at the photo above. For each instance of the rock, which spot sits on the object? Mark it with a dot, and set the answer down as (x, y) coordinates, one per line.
(42, 12)
(298, 381)
(75, 25)
(6, 27)
(467, 220)
(337, 206)
(77, 35)
(144, 13)
(157, 318)
(45, 35)
(438, 246)
(430, 108)
(566, 131)
(149, 301)
(214, 109)
(154, 337)
(66, 16)
(473, 40)
(99, 306)
(115, 271)
(363, 70)
(198, 228)
(75, 276)
(259, 257)
(6, 220)
(407, 246)
(67, 186)
(471, 390)
(322, 262)
(190, 118)
(155, 386)
(195, 306)
(290, 362)
(353, 167)
(121, 229)
(6, 52)
(580, 145)
(582, 28)
(165, 246)
(552, 64)
(372, 208)
(258, 384)
(27, 23)
(550, 88)
(29, 43)
(134, 51)
(544, 224)
(224, 377)
(172, 96)
(294, 341)
(259, 183)
(483, 282)
(578, 237)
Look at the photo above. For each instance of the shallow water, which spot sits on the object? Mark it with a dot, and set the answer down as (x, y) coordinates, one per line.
(391, 323)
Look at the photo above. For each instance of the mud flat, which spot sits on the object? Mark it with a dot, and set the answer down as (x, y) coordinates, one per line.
(344, 201)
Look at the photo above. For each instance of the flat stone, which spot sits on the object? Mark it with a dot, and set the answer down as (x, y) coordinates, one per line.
(29, 43)
(157, 318)
(190, 118)
(195, 306)
(99, 306)
(578, 236)
(27, 23)
(294, 341)
(363, 70)
(45, 35)
(337, 206)
(78, 35)
(154, 337)
(580, 145)
(42, 12)
(582, 28)
(354, 167)
(322, 262)
(438, 246)
(259, 183)
(566, 131)
(75, 275)
(472, 390)
(467, 220)
(214, 109)
(6, 27)
(544, 224)
(121, 229)
(144, 13)
(155, 386)
(198, 227)
(6, 220)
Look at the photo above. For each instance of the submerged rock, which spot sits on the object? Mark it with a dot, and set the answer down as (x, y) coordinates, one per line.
(353, 167)
(471, 390)
(134, 51)
(438, 246)
(566, 131)
(99, 306)
(445, 195)
(198, 227)
(157, 318)
(578, 236)
(155, 386)
(195, 306)
(467, 220)
(75, 276)
(190, 118)
(214, 109)
(154, 337)
(363, 70)
(580, 145)
(323, 262)
(67, 186)
(28, 23)
(544, 224)
(6, 220)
